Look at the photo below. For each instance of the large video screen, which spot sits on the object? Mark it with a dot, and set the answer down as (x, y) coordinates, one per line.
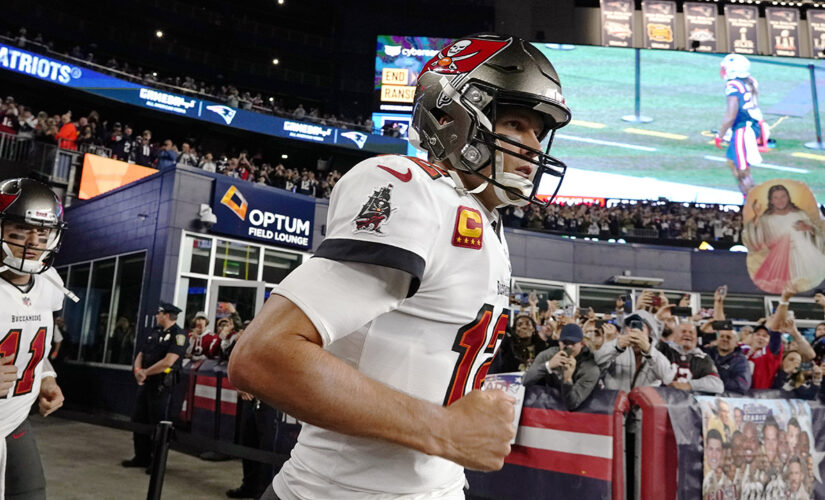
(673, 156)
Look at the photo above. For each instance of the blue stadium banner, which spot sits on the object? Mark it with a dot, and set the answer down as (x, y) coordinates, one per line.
(262, 213)
(701, 26)
(783, 30)
(617, 23)
(743, 27)
(659, 24)
(62, 73)
(816, 31)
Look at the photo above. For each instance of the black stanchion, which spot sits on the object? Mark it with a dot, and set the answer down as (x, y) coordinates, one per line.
(637, 117)
(162, 436)
(818, 143)
(216, 429)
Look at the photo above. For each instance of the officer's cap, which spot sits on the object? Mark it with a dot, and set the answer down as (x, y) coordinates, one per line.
(166, 307)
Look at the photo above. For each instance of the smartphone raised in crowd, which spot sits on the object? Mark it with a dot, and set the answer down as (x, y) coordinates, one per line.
(722, 325)
(636, 324)
(681, 311)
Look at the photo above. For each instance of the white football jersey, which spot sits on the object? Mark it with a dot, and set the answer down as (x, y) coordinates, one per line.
(26, 328)
(404, 213)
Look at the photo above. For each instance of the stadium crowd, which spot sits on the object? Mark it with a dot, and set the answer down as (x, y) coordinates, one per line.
(650, 219)
(120, 141)
(652, 346)
(228, 93)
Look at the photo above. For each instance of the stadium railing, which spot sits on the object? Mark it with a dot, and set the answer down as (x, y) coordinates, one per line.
(45, 159)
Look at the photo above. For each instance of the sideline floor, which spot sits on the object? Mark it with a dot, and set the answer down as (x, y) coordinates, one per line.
(82, 461)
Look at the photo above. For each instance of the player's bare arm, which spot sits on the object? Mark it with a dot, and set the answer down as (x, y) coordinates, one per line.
(280, 360)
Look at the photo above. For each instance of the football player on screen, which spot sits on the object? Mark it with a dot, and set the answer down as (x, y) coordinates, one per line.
(743, 125)
(382, 340)
(31, 228)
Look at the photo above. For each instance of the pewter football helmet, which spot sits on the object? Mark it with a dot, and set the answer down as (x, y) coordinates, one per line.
(465, 82)
(26, 202)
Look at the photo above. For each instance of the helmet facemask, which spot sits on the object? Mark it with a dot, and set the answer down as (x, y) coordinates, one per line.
(486, 148)
(13, 238)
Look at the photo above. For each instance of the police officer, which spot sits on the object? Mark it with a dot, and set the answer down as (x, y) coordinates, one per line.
(155, 367)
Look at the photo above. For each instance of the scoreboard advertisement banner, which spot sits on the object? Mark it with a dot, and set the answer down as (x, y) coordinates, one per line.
(398, 60)
(701, 27)
(617, 23)
(659, 24)
(742, 22)
(783, 31)
(816, 30)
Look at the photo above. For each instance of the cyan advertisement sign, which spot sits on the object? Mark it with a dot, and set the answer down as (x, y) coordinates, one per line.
(262, 213)
(62, 73)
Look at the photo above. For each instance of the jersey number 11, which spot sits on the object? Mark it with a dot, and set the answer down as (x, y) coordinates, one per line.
(9, 347)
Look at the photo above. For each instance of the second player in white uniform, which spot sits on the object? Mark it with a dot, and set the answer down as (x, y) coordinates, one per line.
(31, 226)
(381, 340)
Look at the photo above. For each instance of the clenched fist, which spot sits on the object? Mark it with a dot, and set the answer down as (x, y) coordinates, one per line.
(478, 431)
(8, 375)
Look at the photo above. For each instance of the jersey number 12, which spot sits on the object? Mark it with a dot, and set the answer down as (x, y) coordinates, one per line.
(469, 342)
(10, 345)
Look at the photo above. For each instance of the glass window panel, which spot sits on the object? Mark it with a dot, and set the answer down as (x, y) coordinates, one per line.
(278, 264)
(810, 311)
(95, 328)
(194, 254)
(73, 311)
(601, 299)
(236, 260)
(738, 307)
(126, 299)
(192, 298)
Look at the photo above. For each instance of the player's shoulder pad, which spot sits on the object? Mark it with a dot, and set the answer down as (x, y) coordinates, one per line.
(733, 87)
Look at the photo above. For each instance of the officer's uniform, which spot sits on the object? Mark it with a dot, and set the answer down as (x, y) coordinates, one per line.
(152, 403)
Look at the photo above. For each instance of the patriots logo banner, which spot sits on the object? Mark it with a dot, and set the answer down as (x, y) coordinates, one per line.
(561, 454)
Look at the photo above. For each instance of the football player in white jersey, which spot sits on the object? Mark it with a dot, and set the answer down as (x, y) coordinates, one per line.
(380, 342)
(31, 224)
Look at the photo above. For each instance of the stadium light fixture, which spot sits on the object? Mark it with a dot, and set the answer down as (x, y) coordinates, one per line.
(284, 157)
(159, 34)
(280, 2)
(271, 99)
(276, 61)
(155, 74)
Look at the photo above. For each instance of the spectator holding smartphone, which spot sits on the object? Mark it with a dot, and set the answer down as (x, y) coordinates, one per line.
(791, 377)
(570, 368)
(629, 360)
(726, 354)
(519, 348)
